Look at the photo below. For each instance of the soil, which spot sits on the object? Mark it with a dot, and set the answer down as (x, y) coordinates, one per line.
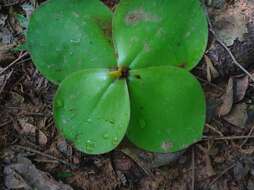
(33, 155)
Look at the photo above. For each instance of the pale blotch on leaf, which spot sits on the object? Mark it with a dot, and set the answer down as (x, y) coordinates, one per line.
(139, 15)
(147, 47)
(166, 146)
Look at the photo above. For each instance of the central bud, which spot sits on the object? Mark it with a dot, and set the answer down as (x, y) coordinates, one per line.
(120, 73)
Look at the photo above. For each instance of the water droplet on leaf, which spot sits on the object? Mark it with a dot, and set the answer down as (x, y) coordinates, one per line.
(106, 136)
(90, 145)
(75, 40)
(115, 141)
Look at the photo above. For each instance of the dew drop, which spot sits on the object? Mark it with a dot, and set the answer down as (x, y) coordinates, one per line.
(115, 141)
(106, 136)
(90, 145)
(75, 40)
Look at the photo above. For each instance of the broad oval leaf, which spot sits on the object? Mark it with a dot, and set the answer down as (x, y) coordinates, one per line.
(167, 109)
(92, 110)
(162, 32)
(66, 36)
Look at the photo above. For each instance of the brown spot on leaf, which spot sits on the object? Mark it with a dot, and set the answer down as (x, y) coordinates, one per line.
(138, 76)
(147, 47)
(107, 29)
(183, 65)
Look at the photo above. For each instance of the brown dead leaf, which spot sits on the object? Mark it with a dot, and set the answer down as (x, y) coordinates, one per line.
(23, 174)
(211, 71)
(230, 22)
(241, 86)
(150, 182)
(238, 116)
(148, 160)
(104, 179)
(30, 130)
(228, 99)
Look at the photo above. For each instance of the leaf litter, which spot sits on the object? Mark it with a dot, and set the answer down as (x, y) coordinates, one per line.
(25, 94)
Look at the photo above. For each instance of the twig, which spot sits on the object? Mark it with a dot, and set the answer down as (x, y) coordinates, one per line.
(246, 140)
(5, 123)
(228, 50)
(46, 161)
(234, 59)
(140, 163)
(209, 167)
(45, 155)
(214, 129)
(220, 175)
(6, 78)
(228, 138)
(193, 169)
(14, 62)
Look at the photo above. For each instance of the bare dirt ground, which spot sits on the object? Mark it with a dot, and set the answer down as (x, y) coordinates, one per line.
(34, 156)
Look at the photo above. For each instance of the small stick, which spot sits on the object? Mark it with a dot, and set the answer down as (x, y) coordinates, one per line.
(140, 163)
(46, 161)
(193, 169)
(5, 123)
(228, 138)
(246, 140)
(45, 155)
(214, 129)
(222, 174)
(14, 62)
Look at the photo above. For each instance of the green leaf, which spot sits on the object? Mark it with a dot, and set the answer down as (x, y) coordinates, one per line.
(92, 110)
(162, 32)
(70, 42)
(66, 36)
(63, 175)
(167, 109)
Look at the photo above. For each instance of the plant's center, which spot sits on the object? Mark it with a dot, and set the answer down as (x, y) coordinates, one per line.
(120, 73)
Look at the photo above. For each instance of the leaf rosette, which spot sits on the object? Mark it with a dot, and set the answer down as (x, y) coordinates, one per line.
(123, 73)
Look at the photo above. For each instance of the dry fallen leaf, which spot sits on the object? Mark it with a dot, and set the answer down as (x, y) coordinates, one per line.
(230, 22)
(212, 73)
(23, 174)
(242, 85)
(29, 129)
(238, 116)
(228, 99)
